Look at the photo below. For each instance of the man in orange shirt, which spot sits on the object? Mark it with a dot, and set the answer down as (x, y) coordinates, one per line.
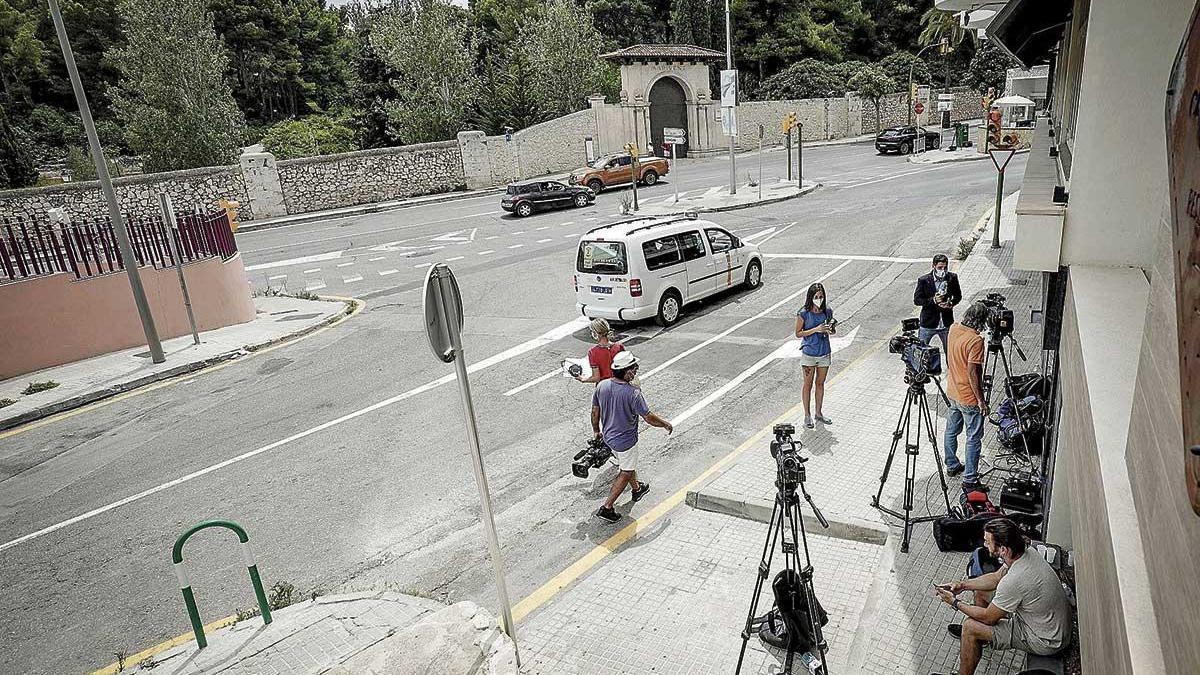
(964, 359)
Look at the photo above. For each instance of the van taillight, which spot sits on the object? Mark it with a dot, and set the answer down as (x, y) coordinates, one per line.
(635, 288)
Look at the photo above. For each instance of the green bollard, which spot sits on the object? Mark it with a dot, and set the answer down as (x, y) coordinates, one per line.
(189, 597)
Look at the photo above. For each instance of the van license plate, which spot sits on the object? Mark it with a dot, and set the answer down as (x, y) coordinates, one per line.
(604, 290)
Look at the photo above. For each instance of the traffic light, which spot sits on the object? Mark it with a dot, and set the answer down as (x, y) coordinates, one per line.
(913, 92)
(789, 123)
(993, 129)
(632, 149)
(944, 46)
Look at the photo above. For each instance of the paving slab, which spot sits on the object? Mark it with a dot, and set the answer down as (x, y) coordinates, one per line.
(277, 319)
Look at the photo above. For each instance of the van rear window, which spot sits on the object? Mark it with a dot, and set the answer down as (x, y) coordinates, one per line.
(602, 257)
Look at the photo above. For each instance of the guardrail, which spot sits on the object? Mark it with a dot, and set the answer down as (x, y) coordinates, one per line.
(89, 248)
(189, 598)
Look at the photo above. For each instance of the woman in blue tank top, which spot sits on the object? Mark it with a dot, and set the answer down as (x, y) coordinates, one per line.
(814, 325)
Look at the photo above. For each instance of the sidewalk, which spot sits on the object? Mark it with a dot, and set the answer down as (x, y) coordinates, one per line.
(361, 209)
(961, 155)
(80, 383)
(675, 599)
(718, 198)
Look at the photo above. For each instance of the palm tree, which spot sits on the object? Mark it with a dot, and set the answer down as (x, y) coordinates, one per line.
(937, 24)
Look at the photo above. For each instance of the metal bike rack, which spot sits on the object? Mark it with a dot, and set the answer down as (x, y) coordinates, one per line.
(189, 598)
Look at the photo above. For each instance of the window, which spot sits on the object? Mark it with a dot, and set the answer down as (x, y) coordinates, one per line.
(693, 246)
(719, 240)
(661, 253)
(602, 257)
(625, 160)
(552, 186)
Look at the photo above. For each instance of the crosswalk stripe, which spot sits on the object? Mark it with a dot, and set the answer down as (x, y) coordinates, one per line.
(384, 273)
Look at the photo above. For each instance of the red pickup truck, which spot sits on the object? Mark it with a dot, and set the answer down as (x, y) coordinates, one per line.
(617, 169)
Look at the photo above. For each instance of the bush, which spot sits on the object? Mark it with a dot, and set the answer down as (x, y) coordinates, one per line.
(896, 66)
(309, 136)
(807, 78)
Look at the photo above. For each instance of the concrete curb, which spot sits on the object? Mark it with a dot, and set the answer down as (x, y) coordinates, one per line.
(971, 158)
(760, 510)
(182, 369)
(736, 207)
(378, 207)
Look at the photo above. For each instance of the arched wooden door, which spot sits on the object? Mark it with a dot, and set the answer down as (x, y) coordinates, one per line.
(668, 108)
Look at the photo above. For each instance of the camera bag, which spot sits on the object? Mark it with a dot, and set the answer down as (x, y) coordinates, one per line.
(1021, 494)
(963, 531)
(787, 625)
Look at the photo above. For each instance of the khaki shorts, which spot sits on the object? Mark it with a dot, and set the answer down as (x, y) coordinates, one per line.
(818, 361)
(627, 459)
(1009, 634)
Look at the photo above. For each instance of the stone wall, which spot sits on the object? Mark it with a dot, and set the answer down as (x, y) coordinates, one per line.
(138, 194)
(369, 176)
(893, 109)
(554, 146)
(818, 115)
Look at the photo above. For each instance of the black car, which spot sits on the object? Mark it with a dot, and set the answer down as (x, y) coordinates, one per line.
(904, 139)
(525, 198)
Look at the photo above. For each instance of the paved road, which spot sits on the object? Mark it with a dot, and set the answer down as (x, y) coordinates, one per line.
(344, 454)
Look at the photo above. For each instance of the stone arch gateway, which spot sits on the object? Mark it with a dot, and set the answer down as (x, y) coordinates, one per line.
(668, 108)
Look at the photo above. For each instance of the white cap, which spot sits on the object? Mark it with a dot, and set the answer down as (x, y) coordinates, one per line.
(623, 360)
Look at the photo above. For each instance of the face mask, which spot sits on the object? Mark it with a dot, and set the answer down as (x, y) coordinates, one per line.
(941, 274)
(818, 302)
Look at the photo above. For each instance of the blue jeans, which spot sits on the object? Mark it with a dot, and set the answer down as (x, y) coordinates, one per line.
(926, 334)
(957, 416)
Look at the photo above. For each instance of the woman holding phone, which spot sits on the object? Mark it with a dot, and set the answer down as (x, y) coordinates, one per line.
(814, 325)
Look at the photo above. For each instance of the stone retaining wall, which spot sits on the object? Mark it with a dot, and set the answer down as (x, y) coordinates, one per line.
(893, 109)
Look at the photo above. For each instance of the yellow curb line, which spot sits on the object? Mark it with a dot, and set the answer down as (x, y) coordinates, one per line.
(610, 546)
(131, 661)
(356, 303)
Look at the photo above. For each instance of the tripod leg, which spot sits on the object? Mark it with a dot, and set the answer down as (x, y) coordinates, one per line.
(931, 430)
(810, 597)
(901, 425)
(764, 570)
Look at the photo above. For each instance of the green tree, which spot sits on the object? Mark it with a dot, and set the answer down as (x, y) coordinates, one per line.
(630, 22)
(770, 35)
(807, 78)
(368, 78)
(936, 24)
(16, 163)
(989, 68)
(429, 45)
(694, 22)
(872, 83)
(22, 54)
(172, 98)
(897, 67)
(506, 97)
(897, 24)
(309, 136)
(95, 29)
(563, 48)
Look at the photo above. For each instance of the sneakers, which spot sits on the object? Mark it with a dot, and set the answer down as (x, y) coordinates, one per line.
(608, 514)
(974, 486)
(808, 423)
(638, 494)
(955, 630)
(823, 419)
(956, 470)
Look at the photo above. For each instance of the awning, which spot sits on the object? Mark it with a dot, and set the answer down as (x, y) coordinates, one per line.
(963, 5)
(1012, 101)
(1030, 29)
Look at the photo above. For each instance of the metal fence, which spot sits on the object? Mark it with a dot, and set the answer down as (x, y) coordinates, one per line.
(89, 248)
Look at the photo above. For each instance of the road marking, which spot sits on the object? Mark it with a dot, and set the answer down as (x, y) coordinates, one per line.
(570, 236)
(296, 261)
(382, 257)
(538, 380)
(641, 525)
(364, 233)
(835, 256)
(591, 219)
(315, 286)
(350, 280)
(517, 246)
(756, 235)
(518, 232)
(345, 264)
(422, 265)
(313, 271)
(569, 222)
(494, 236)
(454, 236)
(542, 241)
(775, 234)
(899, 175)
(542, 228)
(457, 257)
(550, 336)
(487, 252)
(277, 276)
(384, 273)
(741, 323)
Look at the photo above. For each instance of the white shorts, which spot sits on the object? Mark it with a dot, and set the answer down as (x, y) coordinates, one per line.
(819, 361)
(627, 459)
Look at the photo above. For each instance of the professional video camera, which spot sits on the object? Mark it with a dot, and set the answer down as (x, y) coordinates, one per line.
(920, 360)
(595, 455)
(786, 451)
(1000, 317)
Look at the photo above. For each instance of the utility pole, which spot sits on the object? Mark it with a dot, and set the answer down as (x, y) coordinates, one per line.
(730, 111)
(910, 80)
(110, 195)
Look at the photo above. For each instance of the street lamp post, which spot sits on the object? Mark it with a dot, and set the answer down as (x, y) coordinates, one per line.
(729, 66)
(910, 80)
(110, 195)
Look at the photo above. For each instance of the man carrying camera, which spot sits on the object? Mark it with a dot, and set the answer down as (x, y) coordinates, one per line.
(618, 404)
(937, 293)
(968, 407)
(1028, 610)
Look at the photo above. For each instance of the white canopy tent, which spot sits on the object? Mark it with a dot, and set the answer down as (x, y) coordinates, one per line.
(1015, 108)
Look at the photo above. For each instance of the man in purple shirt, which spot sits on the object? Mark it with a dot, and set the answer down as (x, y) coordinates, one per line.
(618, 404)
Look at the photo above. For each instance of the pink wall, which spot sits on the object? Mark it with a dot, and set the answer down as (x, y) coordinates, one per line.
(51, 320)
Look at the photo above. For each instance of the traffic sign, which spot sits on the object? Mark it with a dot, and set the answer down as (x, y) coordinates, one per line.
(729, 88)
(729, 121)
(443, 305)
(945, 97)
(919, 107)
(674, 135)
(1001, 157)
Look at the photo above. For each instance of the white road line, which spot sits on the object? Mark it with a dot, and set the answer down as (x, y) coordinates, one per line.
(485, 252)
(277, 276)
(518, 232)
(377, 259)
(517, 246)
(542, 241)
(835, 256)
(345, 264)
(591, 219)
(350, 280)
(360, 234)
(494, 236)
(771, 236)
(760, 233)
(570, 236)
(312, 271)
(315, 286)
(296, 261)
(384, 273)
(569, 222)
(539, 380)
(899, 175)
(457, 257)
(726, 332)
(553, 335)
(423, 265)
(542, 228)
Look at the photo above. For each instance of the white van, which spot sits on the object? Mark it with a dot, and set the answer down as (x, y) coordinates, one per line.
(652, 267)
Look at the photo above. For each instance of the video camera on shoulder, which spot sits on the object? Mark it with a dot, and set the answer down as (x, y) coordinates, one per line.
(1000, 317)
(920, 359)
(595, 455)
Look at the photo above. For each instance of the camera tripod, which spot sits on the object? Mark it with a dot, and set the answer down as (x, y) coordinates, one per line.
(910, 430)
(997, 354)
(788, 523)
